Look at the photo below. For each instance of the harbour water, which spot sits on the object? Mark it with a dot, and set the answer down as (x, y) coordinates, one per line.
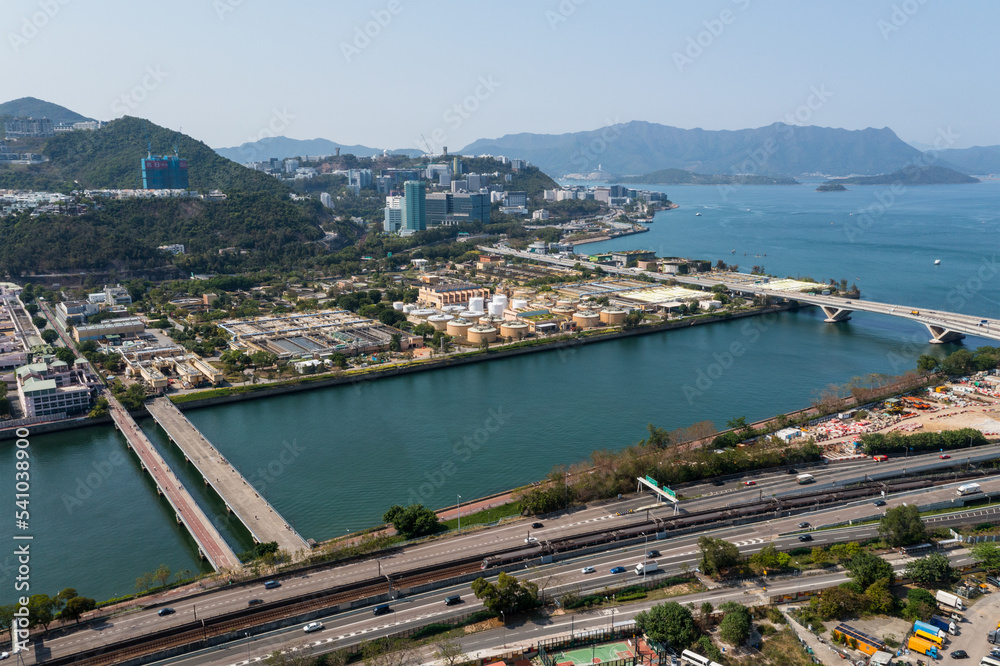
(332, 460)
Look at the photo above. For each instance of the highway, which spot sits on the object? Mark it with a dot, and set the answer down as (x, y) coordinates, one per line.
(782, 530)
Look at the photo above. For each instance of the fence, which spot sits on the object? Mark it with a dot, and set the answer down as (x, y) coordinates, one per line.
(31, 420)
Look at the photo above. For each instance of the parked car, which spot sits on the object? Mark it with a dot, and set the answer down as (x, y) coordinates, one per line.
(255, 602)
(803, 525)
(165, 611)
(617, 570)
(537, 526)
(805, 537)
(271, 584)
(312, 626)
(959, 654)
(879, 502)
(588, 570)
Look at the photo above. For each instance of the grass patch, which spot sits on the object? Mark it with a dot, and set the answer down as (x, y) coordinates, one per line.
(490, 515)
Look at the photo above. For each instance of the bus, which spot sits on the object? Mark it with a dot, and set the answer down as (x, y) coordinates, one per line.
(694, 658)
(916, 549)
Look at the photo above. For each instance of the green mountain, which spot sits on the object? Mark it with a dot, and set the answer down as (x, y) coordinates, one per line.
(109, 158)
(912, 175)
(37, 108)
(682, 177)
(978, 159)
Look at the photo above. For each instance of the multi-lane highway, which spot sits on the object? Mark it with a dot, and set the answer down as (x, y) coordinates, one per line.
(476, 543)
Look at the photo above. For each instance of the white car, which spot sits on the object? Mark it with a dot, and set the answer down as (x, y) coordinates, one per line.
(587, 570)
(312, 626)
(4, 655)
(531, 539)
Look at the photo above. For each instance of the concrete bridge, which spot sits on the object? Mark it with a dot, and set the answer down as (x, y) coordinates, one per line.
(242, 499)
(943, 326)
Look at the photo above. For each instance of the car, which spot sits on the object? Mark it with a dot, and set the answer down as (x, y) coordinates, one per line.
(653, 553)
(381, 609)
(944, 456)
(163, 612)
(879, 502)
(803, 525)
(537, 526)
(617, 570)
(531, 539)
(271, 584)
(255, 602)
(791, 470)
(959, 654)
(718, 482)
(749, 483)
(588, 570)
(995, 652)
(805, 537)
(880, 458)
(312, 626)
(452, 600)
(4, 655)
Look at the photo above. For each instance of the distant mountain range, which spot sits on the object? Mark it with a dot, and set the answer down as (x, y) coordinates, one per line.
(912, 175)
(682, 177)
(776, 150)
(281, 147)
(37, 108)
(980, 160)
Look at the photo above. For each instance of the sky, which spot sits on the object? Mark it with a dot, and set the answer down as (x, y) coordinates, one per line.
(385, 73)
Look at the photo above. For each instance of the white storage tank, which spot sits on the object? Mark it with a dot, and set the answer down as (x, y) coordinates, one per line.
(470, 314)
(454, 309)
(423, 313)
(496, 309)
(500, 299)
(398, 305)
(476, 304)
(519, 304)
(439, 321)
(459, 328)
(409, 307)
(586, 319)
(565, 303)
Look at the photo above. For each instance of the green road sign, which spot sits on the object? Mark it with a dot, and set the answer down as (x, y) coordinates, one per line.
(652, 481)
(670, 492)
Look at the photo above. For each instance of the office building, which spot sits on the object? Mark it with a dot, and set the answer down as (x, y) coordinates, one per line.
(55, 389)
(414, 206)
(393, 221)
(164, 173)
(448, 208)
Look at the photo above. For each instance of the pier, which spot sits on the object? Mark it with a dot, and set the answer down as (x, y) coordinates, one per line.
(242, 499)
(210, 542)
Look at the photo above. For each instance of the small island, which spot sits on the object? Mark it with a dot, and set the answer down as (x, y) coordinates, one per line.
(831, 187)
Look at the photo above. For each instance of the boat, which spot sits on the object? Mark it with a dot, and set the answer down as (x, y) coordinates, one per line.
(937, 262)
(697, 214)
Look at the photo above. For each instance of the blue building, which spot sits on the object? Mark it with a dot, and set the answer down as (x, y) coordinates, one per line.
(414, 205)
(164, 173)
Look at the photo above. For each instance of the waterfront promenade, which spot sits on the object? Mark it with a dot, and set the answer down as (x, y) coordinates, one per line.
(213, 547)
(242, 499)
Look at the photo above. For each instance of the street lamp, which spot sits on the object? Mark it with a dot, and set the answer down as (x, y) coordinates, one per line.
(503, 619)
(247, 634)
(459, 514)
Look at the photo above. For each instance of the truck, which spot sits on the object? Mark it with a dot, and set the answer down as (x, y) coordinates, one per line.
(923, 646)
(944, 624)
(646, 568)
(949, 599)
(929, 629)
(803, 479)
(968, 489)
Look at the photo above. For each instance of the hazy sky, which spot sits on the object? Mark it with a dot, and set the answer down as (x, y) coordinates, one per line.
(229, 71)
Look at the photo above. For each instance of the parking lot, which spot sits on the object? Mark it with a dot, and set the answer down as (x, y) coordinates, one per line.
(979, 620)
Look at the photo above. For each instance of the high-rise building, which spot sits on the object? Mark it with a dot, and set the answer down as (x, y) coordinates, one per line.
(414, 205)
(325, 199)
(448, 208)
(20, 128)
(164, 173)
(393, 215)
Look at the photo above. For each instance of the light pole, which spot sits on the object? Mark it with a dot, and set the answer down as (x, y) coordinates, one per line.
(503, 619)
(459, 514)
(247, 634)
(645, 556)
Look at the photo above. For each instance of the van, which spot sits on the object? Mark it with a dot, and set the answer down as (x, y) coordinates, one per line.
(271, 584)
(452, 600)
(381, 609)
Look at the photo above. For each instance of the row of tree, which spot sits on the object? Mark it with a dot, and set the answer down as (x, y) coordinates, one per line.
(43, 609)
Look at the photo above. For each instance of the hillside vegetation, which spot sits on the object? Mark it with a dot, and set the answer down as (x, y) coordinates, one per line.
(109, 158)
(683, 177)
(913, 175)
(33, 107)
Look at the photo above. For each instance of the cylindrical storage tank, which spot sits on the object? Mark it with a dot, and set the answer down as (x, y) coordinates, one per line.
(439, 321)
(562, 311)
(480, 332)
(613, 316)
(500, 299)
(398, 305)
(409, 307)
(454, 309)
(459, 328)
(476, 304)
(565, 303)
(487, 320)
(470, 314)
(514, 329)
(586, 319)
(496, 309)
(423, 313)
(584, 306)
(519, 304)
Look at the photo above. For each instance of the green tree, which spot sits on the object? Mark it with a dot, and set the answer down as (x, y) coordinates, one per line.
(7, 618)
(866, 568)
(424, 330)
(412, 521)
(162, 574)
(837, 602)
(920, 605)
(927, 363)
(901, 526)
(819, 556)
(75, 607)
(65, 355)
(736, 623)
(669, 623)
(507, 594)
(769, 558)
(40, 322)
(42, 610)
(879, 598)
(929, 570)
(706, 609)
(449, 651)
(49, 336)
(717, 555)
(987, 555)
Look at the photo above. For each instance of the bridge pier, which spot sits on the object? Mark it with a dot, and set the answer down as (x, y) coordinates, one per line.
(941, 335)
(835, 314)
